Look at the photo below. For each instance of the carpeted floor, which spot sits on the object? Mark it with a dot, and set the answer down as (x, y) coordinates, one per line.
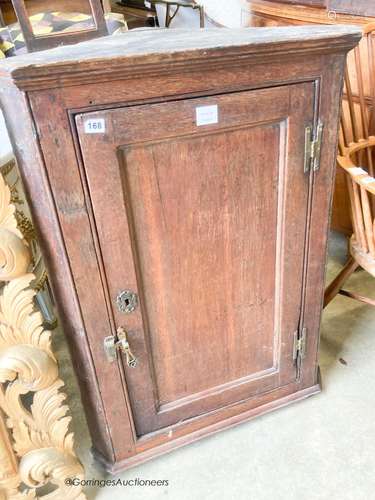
(321, 448)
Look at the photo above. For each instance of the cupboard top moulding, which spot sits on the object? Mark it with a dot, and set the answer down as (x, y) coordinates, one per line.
(151, 53)
(195, 206)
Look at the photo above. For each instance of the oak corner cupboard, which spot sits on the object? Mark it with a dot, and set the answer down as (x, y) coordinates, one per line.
(181, 186)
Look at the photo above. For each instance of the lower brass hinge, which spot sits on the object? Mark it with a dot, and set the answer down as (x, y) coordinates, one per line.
(299, 345)
(313, 145)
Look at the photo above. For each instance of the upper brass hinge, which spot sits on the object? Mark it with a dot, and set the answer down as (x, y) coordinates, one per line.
(313, 144)
(299, 344)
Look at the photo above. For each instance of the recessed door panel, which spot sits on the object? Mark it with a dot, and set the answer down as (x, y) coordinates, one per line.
(201, 271)
(208, 229)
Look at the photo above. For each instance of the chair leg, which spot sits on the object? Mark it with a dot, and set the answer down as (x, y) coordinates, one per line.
(356, 296)
(333, 289)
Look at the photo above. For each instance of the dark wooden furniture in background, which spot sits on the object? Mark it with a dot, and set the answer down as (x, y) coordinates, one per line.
(137, 15)
(37, 6)
(294, 13)
(309, 3)
(37, 42)
(175, 181)
(351, 7)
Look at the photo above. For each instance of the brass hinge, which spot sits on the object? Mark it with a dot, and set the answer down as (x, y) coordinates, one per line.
(313, 144)
(299, 344)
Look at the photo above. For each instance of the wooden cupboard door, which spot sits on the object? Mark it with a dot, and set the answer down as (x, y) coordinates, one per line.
(201, 208)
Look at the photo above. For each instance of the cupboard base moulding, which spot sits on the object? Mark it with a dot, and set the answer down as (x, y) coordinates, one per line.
(191, 437)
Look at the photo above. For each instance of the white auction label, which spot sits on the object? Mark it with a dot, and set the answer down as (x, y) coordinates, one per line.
(207, 115)
(95, 126)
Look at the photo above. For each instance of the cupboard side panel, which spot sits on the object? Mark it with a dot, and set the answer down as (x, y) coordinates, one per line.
(72, 216)
(328, 111)
(35, 179)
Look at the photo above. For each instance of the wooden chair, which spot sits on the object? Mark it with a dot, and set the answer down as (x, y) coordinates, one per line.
(357, 157)
(52, 26)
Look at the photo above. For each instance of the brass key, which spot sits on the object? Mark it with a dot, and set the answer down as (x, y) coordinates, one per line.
(111, 346)
(123, 345)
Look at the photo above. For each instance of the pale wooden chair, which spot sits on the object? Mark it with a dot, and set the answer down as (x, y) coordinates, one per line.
(357, 157)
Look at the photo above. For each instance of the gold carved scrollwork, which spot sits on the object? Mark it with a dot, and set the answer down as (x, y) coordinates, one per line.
(36, 447)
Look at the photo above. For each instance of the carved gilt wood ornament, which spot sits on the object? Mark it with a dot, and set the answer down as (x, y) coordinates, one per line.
(36, 447)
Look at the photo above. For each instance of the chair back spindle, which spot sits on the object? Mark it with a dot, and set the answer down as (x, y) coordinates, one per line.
(357, 130)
